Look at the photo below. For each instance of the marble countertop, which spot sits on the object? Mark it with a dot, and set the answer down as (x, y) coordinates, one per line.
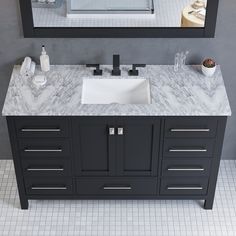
(183, 93)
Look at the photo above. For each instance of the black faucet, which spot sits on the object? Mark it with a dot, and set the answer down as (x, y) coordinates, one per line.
(97, 71)
(116, 65)
(134, 71)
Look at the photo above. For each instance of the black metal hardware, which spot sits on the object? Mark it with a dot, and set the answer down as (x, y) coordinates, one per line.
(134, 71)
(97, 71)
(116, 65)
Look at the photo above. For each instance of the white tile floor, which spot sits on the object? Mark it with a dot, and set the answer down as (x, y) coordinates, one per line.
(127, 217)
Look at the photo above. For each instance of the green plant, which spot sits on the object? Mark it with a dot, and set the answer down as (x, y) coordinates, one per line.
(209, 63)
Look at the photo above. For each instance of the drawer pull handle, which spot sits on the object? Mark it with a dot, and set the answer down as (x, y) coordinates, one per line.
(190, 130)
(186, 169)
(117, 188)
(185, 188)
(120, 131)
(43, 150)
(40, 130)
(45, 169)
(188, 150)
(112, 131)
(49, 188)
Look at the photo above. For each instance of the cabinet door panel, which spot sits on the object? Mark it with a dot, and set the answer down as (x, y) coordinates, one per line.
(138, 146)
(94, 147)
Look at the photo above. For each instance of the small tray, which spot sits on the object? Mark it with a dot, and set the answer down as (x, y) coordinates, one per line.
(37, 4)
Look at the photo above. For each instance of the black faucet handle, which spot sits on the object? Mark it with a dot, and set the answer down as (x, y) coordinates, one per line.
(97, 71)
(134, 71)
(116, 65)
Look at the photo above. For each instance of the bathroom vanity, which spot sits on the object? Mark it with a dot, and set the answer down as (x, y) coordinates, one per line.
(167, 148)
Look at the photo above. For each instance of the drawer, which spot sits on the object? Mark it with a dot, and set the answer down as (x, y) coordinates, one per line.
(42, 127)
(186, 167)
(49, 186)
(190, 127)
(184, 186)
(116, 186)
(191, 147)
(46, 167)
(44, 147)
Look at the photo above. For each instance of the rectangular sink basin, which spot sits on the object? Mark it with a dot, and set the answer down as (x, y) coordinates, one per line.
(121, 91)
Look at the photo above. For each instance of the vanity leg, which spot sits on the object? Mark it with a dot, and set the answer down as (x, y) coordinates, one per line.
(17, 164)
(24, 203)
(208, 204)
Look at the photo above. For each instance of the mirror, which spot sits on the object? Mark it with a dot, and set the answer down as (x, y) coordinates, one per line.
(119, 13)
(119, 18)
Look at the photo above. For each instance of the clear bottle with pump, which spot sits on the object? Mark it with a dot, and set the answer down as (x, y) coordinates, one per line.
(44, 60)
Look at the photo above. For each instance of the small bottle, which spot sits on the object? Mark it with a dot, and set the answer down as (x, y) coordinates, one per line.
(183, 59)
(44, 60)
(176, 66)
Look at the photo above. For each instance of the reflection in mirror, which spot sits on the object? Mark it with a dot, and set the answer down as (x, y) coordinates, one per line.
(119, 13)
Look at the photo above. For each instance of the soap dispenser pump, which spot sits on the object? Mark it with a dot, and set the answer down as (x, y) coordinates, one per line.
(44, 60)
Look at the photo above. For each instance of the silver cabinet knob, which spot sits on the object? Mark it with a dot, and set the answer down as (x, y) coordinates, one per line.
(112, 131)
(120, 131)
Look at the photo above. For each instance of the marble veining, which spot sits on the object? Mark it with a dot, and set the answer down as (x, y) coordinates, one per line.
(183, 93)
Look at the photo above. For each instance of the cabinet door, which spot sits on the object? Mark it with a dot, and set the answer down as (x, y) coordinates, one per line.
(137, 147)
(94, 147)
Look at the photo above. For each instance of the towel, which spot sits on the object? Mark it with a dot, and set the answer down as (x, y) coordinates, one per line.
(28, 67)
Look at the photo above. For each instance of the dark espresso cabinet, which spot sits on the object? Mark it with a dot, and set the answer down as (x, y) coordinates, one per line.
(94, 148)
(116, 146)
(116, 157)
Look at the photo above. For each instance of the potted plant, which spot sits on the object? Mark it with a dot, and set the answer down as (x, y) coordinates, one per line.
(208, 67)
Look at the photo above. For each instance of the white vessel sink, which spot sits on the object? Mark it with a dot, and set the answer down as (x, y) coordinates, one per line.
(121, 91)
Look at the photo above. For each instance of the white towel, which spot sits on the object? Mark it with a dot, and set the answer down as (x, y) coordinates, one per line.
(27, 67)
(32, 68)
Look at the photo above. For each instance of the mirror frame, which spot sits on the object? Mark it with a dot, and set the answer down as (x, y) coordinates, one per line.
(118, 32)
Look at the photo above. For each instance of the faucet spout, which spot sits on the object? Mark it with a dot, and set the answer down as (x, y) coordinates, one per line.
(116, 65)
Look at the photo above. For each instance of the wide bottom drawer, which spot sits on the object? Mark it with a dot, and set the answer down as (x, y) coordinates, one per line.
(184, 186)
(47, 186)
(116, 186)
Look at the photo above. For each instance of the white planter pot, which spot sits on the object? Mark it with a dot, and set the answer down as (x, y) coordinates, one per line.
(208, 71)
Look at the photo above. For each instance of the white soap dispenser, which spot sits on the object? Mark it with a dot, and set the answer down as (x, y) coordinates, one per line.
(44, 60)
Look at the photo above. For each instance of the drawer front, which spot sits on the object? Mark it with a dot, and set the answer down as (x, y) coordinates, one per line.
(186, 167)
(184, 186)
(190, 127)
(46, 167)
(49, 186)
(116, 186)
(191, 147)
(44, 147)
(42, 127)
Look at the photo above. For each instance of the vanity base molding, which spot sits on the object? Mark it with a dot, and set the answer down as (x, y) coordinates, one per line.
(116, 157)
